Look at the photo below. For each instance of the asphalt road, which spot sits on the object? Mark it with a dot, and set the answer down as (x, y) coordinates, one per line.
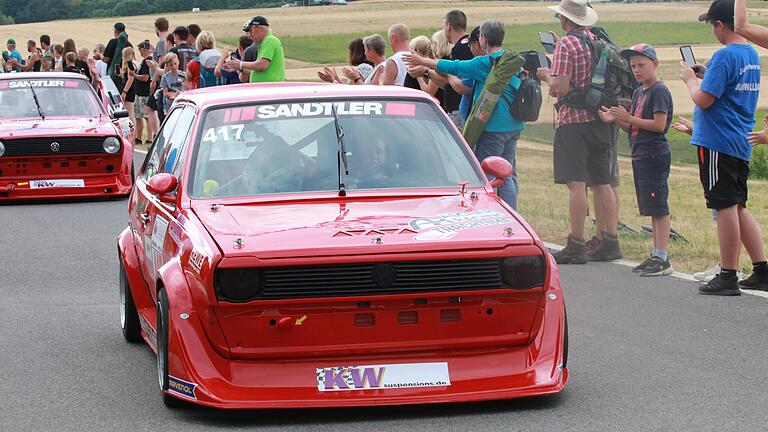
(646, 354)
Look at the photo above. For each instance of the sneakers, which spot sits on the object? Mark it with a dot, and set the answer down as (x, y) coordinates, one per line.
(657, 267)
(592, 244)
(755, 282)
(609, 250)
(640, 268)
(721, 287)
(573, 253)
(707, 275)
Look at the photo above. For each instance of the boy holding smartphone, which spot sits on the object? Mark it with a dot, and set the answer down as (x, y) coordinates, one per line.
(726, 100)
(647, 123)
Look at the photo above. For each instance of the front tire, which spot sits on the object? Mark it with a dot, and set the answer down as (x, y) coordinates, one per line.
(129, 317)
(163, 327)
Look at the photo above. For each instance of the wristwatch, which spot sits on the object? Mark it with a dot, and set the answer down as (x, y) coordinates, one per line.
(241, 66)
(426, 74)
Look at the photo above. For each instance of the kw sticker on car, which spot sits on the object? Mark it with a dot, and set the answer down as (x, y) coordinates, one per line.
(382, 377)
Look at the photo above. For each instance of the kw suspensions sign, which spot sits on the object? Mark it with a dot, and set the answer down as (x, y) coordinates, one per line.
(382, 377)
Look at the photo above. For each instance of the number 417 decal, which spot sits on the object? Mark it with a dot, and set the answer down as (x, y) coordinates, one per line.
(225, 132)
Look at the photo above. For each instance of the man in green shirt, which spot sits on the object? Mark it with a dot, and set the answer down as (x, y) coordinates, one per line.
(270, 63)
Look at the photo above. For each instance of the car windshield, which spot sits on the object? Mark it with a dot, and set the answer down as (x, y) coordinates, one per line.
(56, 97)
(293, 147)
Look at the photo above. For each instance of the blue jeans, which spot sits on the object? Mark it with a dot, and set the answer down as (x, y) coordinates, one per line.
(503, 144)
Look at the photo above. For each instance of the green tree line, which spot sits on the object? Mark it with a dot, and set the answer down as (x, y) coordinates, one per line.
(25, 11)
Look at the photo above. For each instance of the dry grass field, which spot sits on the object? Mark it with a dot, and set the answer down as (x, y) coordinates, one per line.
(358, 16)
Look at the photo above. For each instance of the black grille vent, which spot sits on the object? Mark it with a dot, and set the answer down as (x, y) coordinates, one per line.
(380, 278)
(45, 146)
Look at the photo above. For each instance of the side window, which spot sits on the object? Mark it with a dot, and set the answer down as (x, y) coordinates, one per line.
(152, 163)
(174, 155)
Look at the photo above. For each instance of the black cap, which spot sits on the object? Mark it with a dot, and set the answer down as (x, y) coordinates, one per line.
(257, 20)
(120, 27)
(145, 45)
(719, 10)
(475, 35)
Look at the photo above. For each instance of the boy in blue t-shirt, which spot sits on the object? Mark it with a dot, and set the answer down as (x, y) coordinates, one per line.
(647, 123)
(726, 100)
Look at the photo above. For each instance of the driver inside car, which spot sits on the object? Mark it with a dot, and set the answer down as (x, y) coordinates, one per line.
(273, 167)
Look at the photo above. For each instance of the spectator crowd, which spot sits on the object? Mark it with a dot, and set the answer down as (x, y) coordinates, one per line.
(478, 84)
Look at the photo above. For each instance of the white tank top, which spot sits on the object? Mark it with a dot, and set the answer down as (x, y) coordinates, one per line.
(401, 68)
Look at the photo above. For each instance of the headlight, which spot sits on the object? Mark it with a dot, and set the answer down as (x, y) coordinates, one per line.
(111, 145)
(524, 272)
(2, 148)
(237, 285)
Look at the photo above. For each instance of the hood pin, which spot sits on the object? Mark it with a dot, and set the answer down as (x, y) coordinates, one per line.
(214, 207)
(239, 243)
(377, 240)
(508, 231)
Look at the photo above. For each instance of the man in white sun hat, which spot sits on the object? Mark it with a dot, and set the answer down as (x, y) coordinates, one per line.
(582, 148)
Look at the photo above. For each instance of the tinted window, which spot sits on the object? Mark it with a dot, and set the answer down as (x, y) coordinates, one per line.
(152, 164)
(293, 147)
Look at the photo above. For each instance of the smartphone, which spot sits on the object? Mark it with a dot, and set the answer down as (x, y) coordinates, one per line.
(687, 53)
(543, 61)
(547, 41)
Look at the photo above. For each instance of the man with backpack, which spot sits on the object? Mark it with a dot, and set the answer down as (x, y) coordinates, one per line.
(501, 130)
(183, 51)
(582, 148)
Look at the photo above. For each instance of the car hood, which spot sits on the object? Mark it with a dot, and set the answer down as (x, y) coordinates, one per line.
(36, 127)
(365, 226)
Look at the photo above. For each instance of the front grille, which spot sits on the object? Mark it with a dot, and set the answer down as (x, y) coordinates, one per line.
(380, 278)
(46, 146)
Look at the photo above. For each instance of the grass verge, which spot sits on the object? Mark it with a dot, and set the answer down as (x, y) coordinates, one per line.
(680, 143)
(545, 206)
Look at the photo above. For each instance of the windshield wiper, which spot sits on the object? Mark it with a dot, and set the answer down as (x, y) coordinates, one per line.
(37, 103)
(342, 152)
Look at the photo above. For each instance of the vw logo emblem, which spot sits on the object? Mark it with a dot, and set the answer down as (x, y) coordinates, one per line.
(55, 146)
(384, 275)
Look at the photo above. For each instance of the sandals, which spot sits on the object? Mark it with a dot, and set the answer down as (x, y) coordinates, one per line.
(136, 141)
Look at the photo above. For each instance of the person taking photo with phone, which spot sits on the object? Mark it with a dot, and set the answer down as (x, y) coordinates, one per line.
(726, 100)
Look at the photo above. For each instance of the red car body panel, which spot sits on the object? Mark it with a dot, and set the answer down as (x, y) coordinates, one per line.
(102, 174)
(269, 353)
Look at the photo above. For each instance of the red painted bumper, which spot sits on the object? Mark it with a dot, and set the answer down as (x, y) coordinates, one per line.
(15, 183)
(475, 375)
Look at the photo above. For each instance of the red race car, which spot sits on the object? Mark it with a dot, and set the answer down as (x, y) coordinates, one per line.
(57, 139)
(296, 245)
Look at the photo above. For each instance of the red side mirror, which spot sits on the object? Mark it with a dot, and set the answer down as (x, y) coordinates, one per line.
(497, 167)
(161, 185)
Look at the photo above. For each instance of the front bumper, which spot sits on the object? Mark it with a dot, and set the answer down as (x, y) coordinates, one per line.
(19, 175)
(536, 368)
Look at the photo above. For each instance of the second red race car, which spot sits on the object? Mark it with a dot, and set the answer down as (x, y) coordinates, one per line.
(58, 140)
(300, 245)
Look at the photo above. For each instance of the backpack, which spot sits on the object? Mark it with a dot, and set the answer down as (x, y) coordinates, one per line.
(618, 81)
(526, 105)
(208, 77)
(532, 63)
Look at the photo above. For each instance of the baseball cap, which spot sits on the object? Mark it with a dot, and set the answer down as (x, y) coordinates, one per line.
(119, 27)
(11, 42)
(719, 10)
(257, 20)
(475, 35)
(640, 49)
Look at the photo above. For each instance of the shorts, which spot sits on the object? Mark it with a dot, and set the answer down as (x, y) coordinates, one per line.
(138, 107)
(151, 103)
(615, 175)
(724, 179)
(651, 176)
(582, 152)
